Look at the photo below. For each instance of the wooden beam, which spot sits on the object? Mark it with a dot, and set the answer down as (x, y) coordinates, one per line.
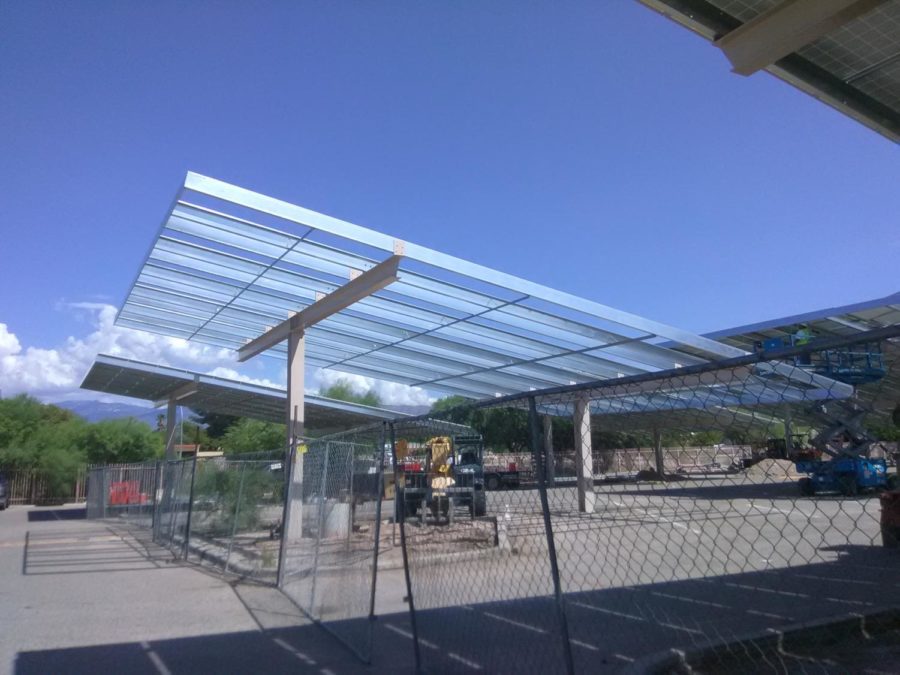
(370, 281)
(785, 28)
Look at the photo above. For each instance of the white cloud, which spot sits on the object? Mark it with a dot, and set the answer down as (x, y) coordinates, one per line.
(232, 374)
(9, 343)
(58, 371)
(390, 393)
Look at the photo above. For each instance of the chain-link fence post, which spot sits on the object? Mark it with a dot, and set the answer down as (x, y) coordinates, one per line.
(320, 523)
(157, 488)
(538, 454)
(400, 512)
(237, 513)
(379, 486)
(187, 527)
(290, 458)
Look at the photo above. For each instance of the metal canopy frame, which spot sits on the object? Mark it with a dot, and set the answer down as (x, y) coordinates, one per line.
(149, 382)
(229, 264)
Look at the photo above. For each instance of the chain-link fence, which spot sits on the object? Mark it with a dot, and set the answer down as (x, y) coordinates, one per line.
(224, 512)
(172, 509)
(237, 509)
(333, 533)
(724, 517)
(123, 491)
(675, 518)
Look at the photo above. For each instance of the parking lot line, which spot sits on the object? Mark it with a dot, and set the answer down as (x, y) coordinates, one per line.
(515, 623)
(695, 601)
(464, 661)
(296, 652)
(407, 634)
(611, 612)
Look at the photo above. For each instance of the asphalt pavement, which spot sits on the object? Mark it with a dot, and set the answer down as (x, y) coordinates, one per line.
(79, 596)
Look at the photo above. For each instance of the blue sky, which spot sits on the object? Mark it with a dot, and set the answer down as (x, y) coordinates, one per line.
(594, 147)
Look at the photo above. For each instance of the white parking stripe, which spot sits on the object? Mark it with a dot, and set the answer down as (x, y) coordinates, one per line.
(768, 615)
(611, 612)
(300, 655)
(466, 662)
(683, 629)
(407, 634)
(764, 590)
(155, 659)
(579, 643)
(695, 601)
(515, 623)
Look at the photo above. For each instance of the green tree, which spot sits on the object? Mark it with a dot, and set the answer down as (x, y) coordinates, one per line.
(342, 390)
(120, 440)
(248, 435)
(21, 416)
(216, 424)
(456, 409)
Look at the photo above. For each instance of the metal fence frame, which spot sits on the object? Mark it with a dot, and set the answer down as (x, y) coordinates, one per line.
(311, 479)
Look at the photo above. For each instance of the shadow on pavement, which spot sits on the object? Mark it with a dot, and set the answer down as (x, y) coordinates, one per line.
(283, 650)
(96, 550)
(730, 491)
(42, 515)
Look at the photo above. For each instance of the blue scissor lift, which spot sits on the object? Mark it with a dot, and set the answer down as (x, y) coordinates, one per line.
(848, 468)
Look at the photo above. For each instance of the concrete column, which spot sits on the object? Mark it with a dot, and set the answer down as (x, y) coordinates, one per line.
(295, 430)
(584, 463)
(171, 420)
(548, 449)
(657, 449)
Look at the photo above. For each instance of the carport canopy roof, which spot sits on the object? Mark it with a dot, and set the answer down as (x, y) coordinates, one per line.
(230, 263)
(135, 379)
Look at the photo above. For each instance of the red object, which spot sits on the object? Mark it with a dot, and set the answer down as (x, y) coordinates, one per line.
(512, 466)
(122, 493)
(890, 519)
(411, 467)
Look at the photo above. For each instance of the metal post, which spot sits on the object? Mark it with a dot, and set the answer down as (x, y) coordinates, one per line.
(409, 591)
(105, 482)
(380, 486)
(657, 450)
(172, 504)
(319, 526)
(237, 512)
(536, 442)
(187, 527)
(548, 449)
(289, 461)
(157, 494)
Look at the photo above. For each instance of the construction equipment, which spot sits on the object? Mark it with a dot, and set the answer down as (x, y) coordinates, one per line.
(441, 474)
(848, 475)
(848, 468)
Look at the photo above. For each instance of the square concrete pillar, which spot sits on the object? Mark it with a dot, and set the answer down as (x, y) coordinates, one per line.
(584, 462)
(295, 432)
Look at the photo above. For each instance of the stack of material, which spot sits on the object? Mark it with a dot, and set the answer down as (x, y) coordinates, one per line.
(774, 469)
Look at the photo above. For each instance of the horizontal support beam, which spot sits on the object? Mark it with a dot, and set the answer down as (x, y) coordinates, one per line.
(785, 28)
(370, 281)
(186, 390)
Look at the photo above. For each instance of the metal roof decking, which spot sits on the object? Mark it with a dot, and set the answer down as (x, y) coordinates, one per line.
(230, 263)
